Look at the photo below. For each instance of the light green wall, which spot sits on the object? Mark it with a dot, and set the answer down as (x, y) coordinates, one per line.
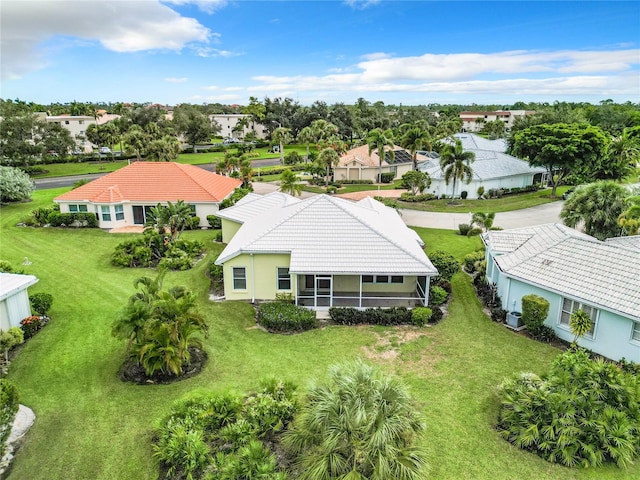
(229, 229)
(262, 276)
(351, 283)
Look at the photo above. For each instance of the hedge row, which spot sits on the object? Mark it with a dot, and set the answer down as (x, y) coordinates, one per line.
(286, 317)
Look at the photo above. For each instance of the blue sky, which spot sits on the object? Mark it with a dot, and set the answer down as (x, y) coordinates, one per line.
(415, 52)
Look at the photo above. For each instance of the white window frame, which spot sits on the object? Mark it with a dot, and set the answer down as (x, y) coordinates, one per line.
(119, 210)
(635, 332)
(78, 208)
(242, 278)
(105, 213)
(283, 277)
(565, 315)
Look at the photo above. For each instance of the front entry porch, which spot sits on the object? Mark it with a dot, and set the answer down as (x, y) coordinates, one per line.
(361, 291)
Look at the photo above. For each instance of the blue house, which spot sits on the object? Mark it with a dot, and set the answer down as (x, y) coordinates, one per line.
(572, 271)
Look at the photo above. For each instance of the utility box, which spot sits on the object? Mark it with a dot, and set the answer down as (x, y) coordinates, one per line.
(514, 319)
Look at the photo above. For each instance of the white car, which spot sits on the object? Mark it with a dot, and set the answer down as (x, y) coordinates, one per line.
(105, 150)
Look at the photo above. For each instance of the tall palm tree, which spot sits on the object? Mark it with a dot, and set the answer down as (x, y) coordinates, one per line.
(456, 165)
(358, 424)
(289, 183)
(379, 140)
(323, 130)
(281, 135)
(416, 139)
(306, 136)
(629, 220)
(328, 158)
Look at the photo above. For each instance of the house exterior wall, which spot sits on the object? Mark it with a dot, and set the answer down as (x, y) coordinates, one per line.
(439, 187)
(360, 172)
(229, 229)
(13, 309)
(202, 210)
(261, 274)
(227, 123)
(77, 127)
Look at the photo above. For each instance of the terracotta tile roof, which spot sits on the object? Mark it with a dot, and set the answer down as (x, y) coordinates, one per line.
(155, 182)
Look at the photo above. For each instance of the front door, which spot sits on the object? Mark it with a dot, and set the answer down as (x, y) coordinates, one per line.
(138, 215)
(323, 291)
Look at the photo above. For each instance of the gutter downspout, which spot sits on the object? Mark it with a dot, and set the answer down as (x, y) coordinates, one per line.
(253, 280)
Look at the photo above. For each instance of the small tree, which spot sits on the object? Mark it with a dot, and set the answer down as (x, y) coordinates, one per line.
(580, 324)
(9, 339)
(445, 263)
(15, 185)
(534, 312)
(416, 181)
(483, 220)
(289, 183)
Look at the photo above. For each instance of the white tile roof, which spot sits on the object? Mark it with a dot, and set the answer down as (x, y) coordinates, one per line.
(331, 235)
(476, 142)
(11, 283)
(560, 259)
(253, 204)
(632, 242)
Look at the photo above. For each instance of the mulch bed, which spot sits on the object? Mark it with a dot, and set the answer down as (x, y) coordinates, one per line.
(132, 372)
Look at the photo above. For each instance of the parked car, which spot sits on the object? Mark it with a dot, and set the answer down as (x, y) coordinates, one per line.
(105, 150)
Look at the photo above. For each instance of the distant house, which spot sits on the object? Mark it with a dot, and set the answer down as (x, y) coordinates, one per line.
(14, 299)
(228, 122)
(324, 251)
(124, 197)
(492, 168)
(473, 121)
(77, 126)
(572, 271)
(358, 164)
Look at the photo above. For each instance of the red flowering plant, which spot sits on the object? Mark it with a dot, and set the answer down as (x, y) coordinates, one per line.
(31, 325)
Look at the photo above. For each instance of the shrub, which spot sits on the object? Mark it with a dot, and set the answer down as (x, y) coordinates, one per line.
(409, 197)
(445, 263)
(420, 316)
(370, 316)
(356, 182)
(583, 413)
(473, 232)
(285, 317)
(15, 185)
(285, 297)
(41, 302)
(463, 229)
(9, 339)
(214, 222)
(480, 191)
(8, 408)
(471, 259)
(41, 215)
(78, 220)
(218, 237)
(387, 177)
(545, 334)
(464, 194)
(182, 448)
(534, 312)
(436, 314)
(31, 325)
(292, 158)
(437, 295)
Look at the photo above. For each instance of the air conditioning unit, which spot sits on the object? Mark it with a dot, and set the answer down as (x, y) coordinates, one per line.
(514, 319)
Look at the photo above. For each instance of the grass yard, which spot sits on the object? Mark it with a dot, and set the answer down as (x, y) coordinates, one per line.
(92, 426)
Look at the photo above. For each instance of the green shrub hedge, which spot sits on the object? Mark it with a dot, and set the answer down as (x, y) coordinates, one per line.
(8, 409)
(438, 295)
(284, 317)
(370, 316)
(424, 197)
(420, 316)
(41, 302)
(387, 177)
(79, 220)
(445, 263)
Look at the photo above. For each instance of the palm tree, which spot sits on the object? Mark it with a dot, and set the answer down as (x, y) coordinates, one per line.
(379, 140)
(579, 323)
(246, 171)
(289, 183)
(629, 220)
(306, 136)
(174, 217)
(456, 165)
(484, 220)
(327, 158)
(416, 139)
(624, 154)
(323, 131)
(598, 205)
(359, 423)
(282, 136)
(164, 150)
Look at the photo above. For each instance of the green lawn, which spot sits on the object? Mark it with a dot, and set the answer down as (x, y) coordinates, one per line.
(92, 426)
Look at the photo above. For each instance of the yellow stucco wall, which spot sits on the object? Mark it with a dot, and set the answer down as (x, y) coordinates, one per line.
(229, 229)
(261, 273)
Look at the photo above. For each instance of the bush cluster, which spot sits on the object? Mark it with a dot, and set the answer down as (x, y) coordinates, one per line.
(471, 261)
(423, 197)
(225, 434)
(214, 222)
(152, 249)
(284, 317)
(463, 229)
(41, 302)
(8, 408)
(356, 182)
(78, 220)
(445, 263)
(489, 297)
(438, 295)
(534, 312)
(31, 325)
(387, 177)
(420, 316)
(370, 316)
(583, 413)
(500, 192)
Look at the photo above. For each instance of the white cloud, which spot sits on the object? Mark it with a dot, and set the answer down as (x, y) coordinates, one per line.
(208, 52)
(123, 26)
(208, 6)
(516, 72)
(360, 4)
(176, 80)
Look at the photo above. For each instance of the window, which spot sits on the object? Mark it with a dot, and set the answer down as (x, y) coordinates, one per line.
(367, 279)
(106, 213)
(284, 279)
(239, 278)
(397, 279)
(635, 334)
(193, 209)
(382, 279)
(119, 212)
(77, 208)
(570, 306)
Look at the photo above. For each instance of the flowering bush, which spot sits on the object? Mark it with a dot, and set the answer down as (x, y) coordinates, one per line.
(31, 325)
